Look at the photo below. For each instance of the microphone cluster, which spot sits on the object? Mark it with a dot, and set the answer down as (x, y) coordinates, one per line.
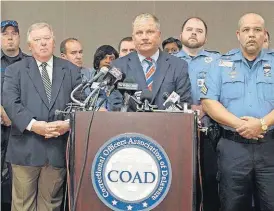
(133, 99)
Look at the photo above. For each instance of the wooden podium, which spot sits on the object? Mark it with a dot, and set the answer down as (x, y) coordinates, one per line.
(175, 132)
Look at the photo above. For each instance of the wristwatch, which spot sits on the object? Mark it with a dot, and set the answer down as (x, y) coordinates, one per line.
(264, 125)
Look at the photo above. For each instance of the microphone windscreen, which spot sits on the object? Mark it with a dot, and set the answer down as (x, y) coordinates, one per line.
(165, 95)
(146, 95)
(104, 71)
(168, 104)
(129, 80)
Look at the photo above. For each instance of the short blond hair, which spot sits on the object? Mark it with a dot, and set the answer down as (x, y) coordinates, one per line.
(146, 16)
(38, 26)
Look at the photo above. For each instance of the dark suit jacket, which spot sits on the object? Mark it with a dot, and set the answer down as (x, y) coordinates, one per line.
(171, 75)
(25, 98)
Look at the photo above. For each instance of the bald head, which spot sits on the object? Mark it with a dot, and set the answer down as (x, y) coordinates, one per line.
(249, 17)
(251, 34)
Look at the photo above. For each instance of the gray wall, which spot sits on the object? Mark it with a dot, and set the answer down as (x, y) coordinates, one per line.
(98, 23)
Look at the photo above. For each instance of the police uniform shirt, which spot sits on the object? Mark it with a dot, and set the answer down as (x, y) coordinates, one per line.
(242, 90)
(198, 67)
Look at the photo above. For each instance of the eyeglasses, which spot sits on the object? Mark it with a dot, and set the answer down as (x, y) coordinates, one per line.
(9, 23)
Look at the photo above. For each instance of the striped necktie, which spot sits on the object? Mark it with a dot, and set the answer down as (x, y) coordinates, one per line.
(149, 72)
(46, 80)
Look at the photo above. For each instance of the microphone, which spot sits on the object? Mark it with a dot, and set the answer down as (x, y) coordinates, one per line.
(173, 97)
(172, 103)
(113, 76)
(127, 88)
(128, 85)
(146, 97)
(109, 81)
(101, 73)
(170, 106)
(134, 104)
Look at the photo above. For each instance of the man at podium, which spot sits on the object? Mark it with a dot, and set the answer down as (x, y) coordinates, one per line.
(151, 68)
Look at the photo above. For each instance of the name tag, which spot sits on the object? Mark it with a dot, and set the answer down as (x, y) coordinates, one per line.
(200, 82)
(223, 63)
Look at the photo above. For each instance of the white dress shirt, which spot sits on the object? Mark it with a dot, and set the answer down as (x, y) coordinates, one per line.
(144, 64)
(49, 68)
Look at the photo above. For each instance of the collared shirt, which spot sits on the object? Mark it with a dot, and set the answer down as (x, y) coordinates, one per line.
(242, 90)
(198, 67)
(144, 64)
(49, 67)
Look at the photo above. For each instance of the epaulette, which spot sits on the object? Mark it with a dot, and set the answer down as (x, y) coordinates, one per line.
(232, 52)
(210, 51)
(270, 51)
(229, 54)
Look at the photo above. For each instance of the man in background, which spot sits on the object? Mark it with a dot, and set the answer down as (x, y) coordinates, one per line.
(71, 49)
(238, 94)
(34, 88)
(193, 37)
(10, 53)
(126, 46)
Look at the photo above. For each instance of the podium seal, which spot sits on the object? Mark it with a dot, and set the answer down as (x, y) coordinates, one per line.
(131, 172)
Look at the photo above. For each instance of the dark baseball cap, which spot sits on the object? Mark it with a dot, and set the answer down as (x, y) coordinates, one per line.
(6, 23)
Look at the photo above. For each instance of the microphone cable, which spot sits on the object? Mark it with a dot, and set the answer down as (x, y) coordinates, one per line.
(79, 185)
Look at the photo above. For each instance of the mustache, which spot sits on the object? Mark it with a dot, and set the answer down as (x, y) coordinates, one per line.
(195, 38)
(251, 41)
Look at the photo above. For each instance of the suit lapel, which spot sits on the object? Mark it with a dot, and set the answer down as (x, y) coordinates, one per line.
(58, 73)
(137, 71)
(159, 75)
(35, 76)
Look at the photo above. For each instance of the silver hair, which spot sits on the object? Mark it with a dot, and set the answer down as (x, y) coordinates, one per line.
(38, 26)
(146, 16)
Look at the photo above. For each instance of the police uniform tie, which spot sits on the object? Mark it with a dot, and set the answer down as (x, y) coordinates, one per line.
(149, 72)
(46, 80)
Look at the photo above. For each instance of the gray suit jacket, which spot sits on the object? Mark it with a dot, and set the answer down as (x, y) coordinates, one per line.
(25, 98)
(171, 75)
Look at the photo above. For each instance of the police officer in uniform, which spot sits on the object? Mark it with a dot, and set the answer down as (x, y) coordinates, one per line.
(10, 53)
(238, 94)
(193, 38)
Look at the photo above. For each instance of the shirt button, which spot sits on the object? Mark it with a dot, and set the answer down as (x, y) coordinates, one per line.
(250, 106)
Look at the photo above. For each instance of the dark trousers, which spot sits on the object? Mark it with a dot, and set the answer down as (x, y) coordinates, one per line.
(5, 168)
(209, 173)
(245, 169)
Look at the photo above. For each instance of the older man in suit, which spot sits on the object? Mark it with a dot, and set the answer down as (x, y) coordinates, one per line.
(33, 89)
(151, 68)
